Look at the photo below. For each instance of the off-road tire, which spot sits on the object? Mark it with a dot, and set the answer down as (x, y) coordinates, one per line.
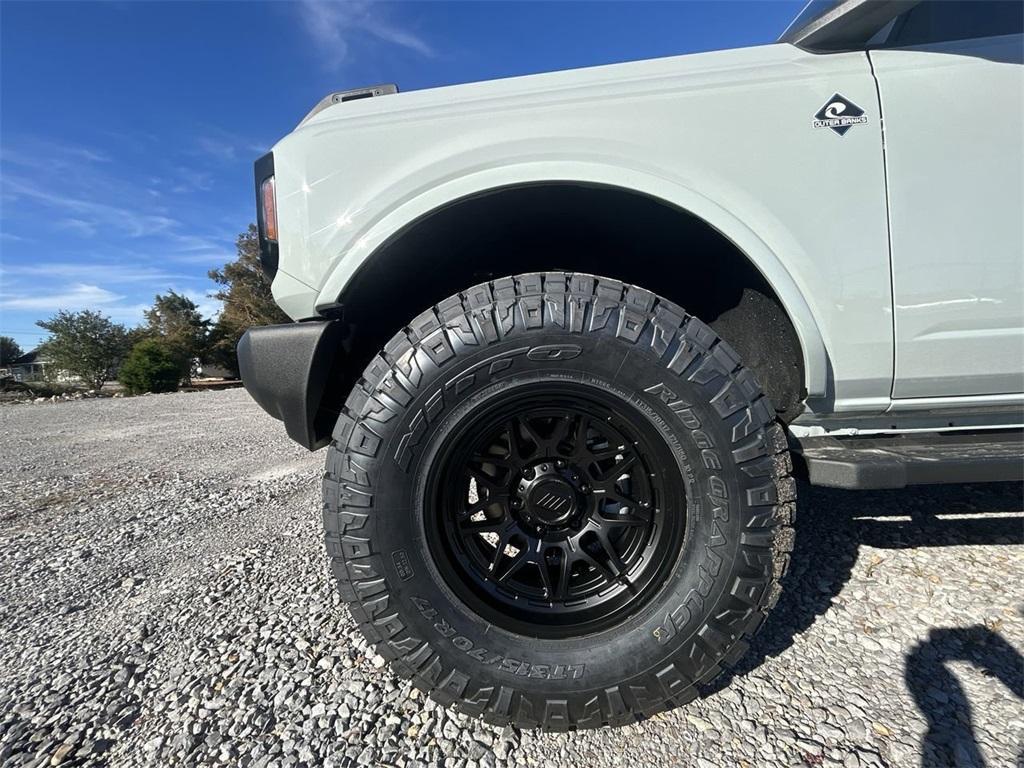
(658, 361)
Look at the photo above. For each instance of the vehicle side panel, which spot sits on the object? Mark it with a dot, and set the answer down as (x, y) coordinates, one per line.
(726, 135)
(954, 130)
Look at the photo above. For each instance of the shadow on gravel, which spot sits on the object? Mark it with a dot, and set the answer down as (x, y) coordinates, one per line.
(950, 739)
(832, 524)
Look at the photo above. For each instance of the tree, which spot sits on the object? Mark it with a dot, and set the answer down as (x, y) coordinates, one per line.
(151, 366)
(176, 319)
(245, 291)
(10, 350)
(86, 344)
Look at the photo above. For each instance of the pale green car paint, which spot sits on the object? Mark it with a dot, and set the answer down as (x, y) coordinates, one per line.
(955, 158)
(729, 137)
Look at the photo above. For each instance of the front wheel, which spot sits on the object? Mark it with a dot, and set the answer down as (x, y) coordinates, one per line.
(558, 501)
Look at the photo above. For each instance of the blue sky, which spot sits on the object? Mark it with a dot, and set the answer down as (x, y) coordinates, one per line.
(128, 129)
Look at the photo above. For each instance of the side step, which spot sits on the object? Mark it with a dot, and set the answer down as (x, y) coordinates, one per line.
(883, 461)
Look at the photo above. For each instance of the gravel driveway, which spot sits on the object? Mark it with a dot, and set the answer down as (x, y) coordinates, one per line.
(164, 600)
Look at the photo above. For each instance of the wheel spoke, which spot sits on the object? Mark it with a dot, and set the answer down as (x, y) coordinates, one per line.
(561, 591)
(608, 491)
(485, 525)
(499, 549)
(463, 515)
(548, 444)
(579, 438)
(485, 480)
(603, 454)
(518, 561)
(626, 462)
(605, 571)
(629, 520)
(505, 532)
(540, 443)
(511, 433)
(498, 461)
(540, 559)
(560, 434)
(613, 560)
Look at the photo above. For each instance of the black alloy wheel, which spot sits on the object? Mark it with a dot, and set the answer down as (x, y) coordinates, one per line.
(549, 514)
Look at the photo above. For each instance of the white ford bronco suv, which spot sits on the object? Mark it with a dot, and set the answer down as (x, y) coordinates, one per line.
(569, 337)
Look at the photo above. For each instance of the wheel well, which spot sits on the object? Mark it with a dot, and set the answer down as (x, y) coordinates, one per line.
(600, 230)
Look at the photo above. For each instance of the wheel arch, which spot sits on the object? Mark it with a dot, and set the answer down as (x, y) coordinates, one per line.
(388, 256)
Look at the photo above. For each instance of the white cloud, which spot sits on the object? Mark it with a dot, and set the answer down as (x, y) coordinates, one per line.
(209, 307)
(112, 244)
(207, 259)
(125, 221)
(227, 147)
(194, 243)
(90, 155)
(222, 150)
(107, 273)
(81, 226)
(98, 204)
(181, 180)
(333, 25)
(78, 296)
(48, 155)
(74, 296)
(128, 314)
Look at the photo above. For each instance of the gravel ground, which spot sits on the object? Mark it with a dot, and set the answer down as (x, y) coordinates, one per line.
(164, 600)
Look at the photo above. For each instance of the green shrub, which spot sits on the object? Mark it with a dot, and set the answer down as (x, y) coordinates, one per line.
(151, 366)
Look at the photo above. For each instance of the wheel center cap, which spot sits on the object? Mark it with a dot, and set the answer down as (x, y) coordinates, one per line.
(552, 502)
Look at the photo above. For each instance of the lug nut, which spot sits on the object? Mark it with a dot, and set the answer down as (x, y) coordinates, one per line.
(528, 474)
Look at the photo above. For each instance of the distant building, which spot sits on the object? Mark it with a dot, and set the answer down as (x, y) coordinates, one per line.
(29, 367)
(213, 371)
(35, 366)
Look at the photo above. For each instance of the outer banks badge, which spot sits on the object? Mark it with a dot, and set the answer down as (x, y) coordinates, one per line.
(839, 114)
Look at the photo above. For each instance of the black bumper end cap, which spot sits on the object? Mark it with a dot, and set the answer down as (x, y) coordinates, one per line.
(286, 369)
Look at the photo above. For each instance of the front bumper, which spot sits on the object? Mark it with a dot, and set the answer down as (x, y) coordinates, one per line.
(287, 369)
